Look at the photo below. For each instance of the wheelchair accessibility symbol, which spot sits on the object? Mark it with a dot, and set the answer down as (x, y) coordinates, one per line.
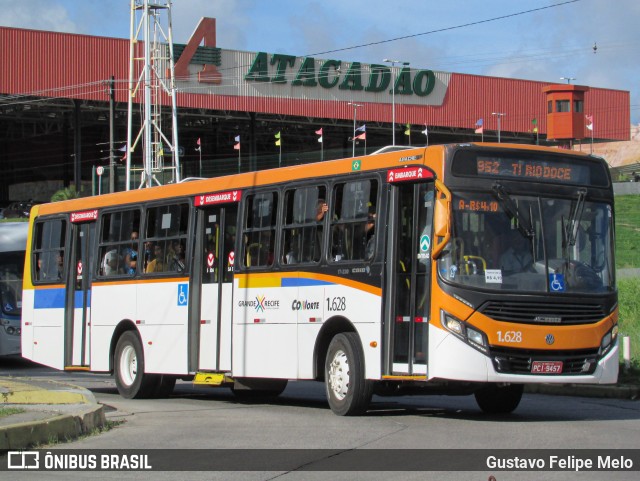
(556, 282)
(183, 294)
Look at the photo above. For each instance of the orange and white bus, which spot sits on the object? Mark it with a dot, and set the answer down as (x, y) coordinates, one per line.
(461, 269)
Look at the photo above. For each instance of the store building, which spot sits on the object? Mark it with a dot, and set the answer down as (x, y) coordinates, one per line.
(56, 90)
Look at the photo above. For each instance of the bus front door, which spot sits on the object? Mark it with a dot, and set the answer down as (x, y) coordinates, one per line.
(408, 271)
(212, 286)
(77, 332)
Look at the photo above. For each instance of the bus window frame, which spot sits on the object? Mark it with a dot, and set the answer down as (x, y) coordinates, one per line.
(99, 244)
(188, 247)
(274, 227)
(35, 252)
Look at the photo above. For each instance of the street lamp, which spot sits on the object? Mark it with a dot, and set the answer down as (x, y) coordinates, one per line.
(353, 139)
(499, 114)
(393, 96)
(568, 79)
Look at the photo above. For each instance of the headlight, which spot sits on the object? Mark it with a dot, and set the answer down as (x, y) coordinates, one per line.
(608, 340)
(472, 336)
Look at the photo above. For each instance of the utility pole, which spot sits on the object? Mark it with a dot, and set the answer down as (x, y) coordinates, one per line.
(393, 96)
(499, 114)
(353, 139)
(112, 157)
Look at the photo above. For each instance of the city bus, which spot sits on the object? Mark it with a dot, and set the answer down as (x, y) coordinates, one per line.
(13, 241)
(464, 269)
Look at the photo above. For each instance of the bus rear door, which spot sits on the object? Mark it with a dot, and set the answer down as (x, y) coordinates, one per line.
(407, 299)
(212, 280)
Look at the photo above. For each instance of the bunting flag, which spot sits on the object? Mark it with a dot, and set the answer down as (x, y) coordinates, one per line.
(362, 136)
(408, 130)
(278, 142)
(425, 131)
(319, 132)
(320, 139)
(236, 146)
(534, 122)
(198, 145)
(590, 120)
(237, 138)
(363, 128)
(479, 127)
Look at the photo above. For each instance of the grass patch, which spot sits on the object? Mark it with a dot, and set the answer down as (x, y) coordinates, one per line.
(627, 209)
(629, 321)
(4, 412)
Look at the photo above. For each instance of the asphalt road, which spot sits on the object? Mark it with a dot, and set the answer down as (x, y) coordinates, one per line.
(211, 418)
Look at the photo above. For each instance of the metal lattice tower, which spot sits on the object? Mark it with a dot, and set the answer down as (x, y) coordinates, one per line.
(151, 75)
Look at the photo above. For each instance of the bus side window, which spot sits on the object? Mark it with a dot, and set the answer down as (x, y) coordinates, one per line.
(119, 243)
(166, 229)
(353, 222)
(259, 229)
(48, 250)
(304, 212)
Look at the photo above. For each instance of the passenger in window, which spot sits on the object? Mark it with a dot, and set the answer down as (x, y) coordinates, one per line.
(178, 260)
(158, 263)
(369, 237)
(111, 263)
(291, 257)
(130, 254)
(322, 209)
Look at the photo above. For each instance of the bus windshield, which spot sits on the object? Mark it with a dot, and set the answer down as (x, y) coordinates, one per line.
(11, 265)
(510, 242)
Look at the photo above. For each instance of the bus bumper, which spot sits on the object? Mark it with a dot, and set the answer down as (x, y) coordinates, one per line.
(453, 359)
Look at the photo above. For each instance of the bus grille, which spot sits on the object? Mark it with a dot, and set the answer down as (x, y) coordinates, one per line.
(516, 361)
(543, 313)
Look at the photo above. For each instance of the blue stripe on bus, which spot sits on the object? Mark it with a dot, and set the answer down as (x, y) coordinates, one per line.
(54, 299)
(303, 282)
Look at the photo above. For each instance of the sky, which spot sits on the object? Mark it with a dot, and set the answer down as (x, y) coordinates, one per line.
(525, 39)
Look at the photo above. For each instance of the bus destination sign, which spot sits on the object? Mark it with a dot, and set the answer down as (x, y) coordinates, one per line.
(531, 169)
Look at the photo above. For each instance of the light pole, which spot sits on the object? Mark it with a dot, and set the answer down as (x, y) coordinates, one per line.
(393, 96)
(353, 139)
(499, 114)
(568, 79)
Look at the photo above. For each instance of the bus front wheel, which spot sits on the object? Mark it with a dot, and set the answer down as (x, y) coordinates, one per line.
(131, 380)
(499, 399)
(348, 392)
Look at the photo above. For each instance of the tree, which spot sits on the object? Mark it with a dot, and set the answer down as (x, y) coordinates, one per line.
(65, 194)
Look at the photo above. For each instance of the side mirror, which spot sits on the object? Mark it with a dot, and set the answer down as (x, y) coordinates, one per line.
(442, 227)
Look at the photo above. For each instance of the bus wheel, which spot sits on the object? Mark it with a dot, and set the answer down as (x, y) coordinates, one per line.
(348, 392)
(131, 380)
(164, 386)
(497, 399)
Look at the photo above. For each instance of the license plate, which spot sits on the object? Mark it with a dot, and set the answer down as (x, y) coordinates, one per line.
(546, 367)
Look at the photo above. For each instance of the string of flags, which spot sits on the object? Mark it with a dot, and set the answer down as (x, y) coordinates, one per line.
(319, 132)
(278, 140)
(479, 126)
(237, 144)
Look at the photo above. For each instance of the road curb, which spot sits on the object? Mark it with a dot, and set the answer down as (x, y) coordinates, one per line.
(586, 390)
(58, 428)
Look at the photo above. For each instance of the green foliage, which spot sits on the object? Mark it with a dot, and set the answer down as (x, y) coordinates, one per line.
(629, 321)
(65, 194)
(9, 411)
(627, 210)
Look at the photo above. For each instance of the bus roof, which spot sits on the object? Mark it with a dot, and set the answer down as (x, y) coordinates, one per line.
(246, 180)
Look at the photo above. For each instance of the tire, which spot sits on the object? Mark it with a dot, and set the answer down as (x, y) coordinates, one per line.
(128, 361)
(164, 386)
(348, 392)
(497, 399)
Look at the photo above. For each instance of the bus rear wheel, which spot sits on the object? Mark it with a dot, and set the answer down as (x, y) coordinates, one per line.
(131, 380)
(348, 392)
(499, 399)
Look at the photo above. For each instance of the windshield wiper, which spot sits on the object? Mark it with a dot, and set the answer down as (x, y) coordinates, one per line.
(511, 208)
(571, 227)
